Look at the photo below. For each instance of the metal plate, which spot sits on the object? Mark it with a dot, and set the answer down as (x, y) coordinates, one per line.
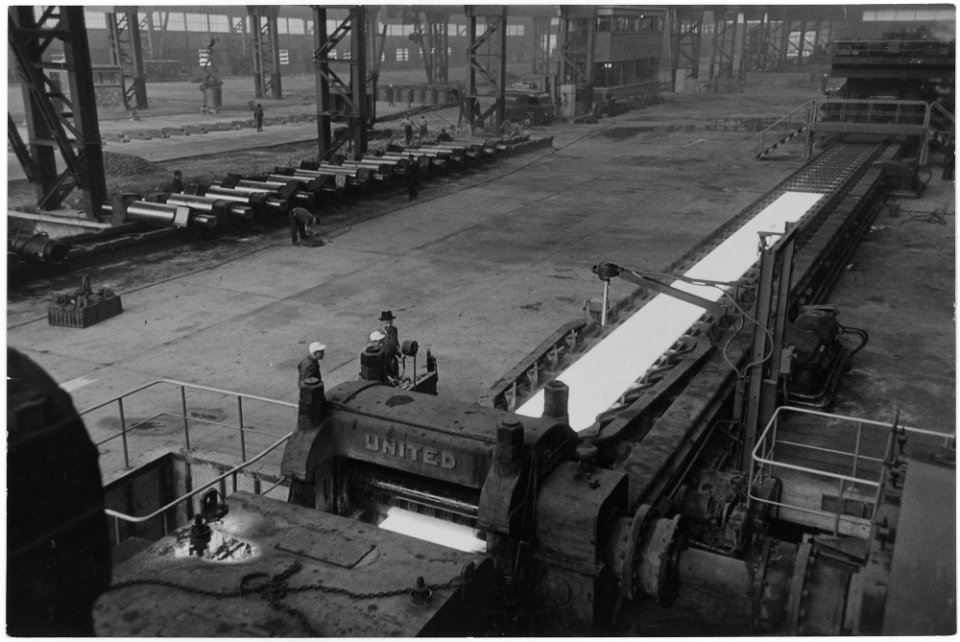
(342, 551)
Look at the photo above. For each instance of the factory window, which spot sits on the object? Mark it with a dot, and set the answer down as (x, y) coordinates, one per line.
(626, 72)
(515, 30)
(403, 55)
(295, 25)
(332, 26)
(332, 55)
(174, 20)
(346, 55)
(282, 26)
(908, 15)
(310, 30)
(196, 22)
(460, 30)
(219, 23)
(95, 19)
(650, 24)
(236, 24)
(399, 30)
(603, 23)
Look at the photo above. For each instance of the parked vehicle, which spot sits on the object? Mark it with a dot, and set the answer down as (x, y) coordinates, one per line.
(529, 107)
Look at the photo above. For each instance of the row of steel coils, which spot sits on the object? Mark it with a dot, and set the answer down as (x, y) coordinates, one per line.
(235, 201)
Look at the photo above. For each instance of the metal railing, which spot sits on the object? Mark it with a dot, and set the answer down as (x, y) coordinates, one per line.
(183, 386)
(162, 511)
(783, 130)
(873, 112)
(865, 469)
(242, 430)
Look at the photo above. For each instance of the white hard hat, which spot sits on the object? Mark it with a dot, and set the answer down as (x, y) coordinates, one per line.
(376, 335)
(316, 346)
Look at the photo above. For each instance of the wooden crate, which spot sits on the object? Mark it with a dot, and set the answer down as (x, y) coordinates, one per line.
(84, 317)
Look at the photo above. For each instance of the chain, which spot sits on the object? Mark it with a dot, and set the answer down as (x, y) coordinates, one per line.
(274, 590)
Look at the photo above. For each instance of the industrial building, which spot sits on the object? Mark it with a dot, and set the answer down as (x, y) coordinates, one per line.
(483, 320)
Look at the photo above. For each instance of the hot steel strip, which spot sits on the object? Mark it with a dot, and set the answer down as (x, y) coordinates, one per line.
(825, 173)
(670, 445)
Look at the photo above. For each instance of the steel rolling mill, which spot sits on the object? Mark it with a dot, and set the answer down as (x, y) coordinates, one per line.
(690, 482)
(673, 463)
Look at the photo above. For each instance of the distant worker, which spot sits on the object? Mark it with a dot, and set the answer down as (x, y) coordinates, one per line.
(390, 97)
(309, 367)
(407, 125)
(258, 117)
(300, 220)
(391, 343)
(412, 177)
(424, 132)
(444, 137)
(176, 185)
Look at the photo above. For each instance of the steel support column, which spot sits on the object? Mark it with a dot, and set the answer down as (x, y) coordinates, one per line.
(686, 25)
(266, 51)
(355, 106)
(541, 46)
(321, 75)
(55, 122)
(724, 51)
(123, 31)
(578, 26)
(495, 19)
(431, 34)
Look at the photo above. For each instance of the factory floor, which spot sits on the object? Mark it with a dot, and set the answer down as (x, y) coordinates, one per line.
(480, 269)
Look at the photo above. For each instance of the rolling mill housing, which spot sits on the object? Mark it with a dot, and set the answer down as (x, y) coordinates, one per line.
(676, 352)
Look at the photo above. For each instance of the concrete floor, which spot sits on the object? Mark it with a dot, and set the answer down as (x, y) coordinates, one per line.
(480, 269)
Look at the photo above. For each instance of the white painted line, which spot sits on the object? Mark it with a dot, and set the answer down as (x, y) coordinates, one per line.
(603, 374)
(76, 384)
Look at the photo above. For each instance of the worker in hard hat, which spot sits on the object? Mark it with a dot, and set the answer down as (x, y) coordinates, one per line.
(310, 366)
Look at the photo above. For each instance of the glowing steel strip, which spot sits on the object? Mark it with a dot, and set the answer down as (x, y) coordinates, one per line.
(603, 374)
(431, 529)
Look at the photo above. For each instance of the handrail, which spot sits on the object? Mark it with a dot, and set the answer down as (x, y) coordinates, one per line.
(183, 386)
(234, 470)
(798, 118)
(763, 461)
(189, 385)
(942, 111)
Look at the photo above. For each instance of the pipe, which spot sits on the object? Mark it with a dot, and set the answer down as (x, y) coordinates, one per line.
(163, 215)
(250, 198)
(272, 187)
(40, 247)
(211, 205)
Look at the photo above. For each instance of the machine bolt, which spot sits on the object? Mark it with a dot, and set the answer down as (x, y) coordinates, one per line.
(421, 594)
(199, 536)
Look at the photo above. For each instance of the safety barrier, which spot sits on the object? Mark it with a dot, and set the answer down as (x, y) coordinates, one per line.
(242, 427)
(790, 449)
(783, 130)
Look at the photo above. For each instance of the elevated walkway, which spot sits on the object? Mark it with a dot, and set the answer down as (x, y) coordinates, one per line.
(927, 121)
